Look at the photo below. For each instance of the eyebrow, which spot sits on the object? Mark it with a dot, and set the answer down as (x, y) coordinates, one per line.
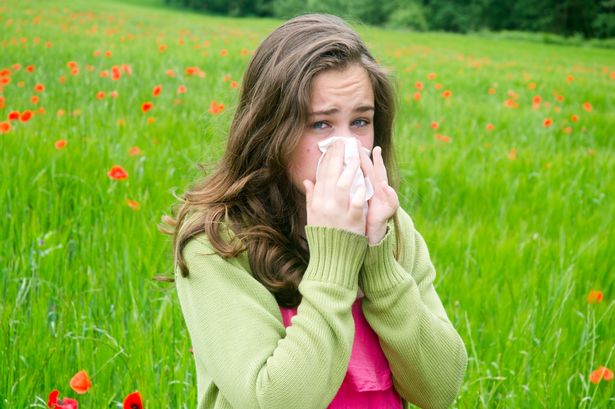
(362, 108)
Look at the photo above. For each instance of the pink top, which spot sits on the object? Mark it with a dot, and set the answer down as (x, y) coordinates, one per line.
(368, 383)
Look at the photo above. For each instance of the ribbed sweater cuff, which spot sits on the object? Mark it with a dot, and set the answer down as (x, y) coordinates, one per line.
(380, 269)
(336, 255)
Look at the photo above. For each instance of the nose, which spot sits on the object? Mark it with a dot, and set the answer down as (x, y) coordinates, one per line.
(345, 131)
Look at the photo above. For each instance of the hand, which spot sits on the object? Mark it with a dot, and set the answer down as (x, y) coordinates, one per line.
(383, 205)
(327, 200)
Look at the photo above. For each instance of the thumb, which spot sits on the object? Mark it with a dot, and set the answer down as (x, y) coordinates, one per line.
(309, 189)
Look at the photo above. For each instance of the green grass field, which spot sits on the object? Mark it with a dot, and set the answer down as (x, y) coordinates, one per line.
(513, 193)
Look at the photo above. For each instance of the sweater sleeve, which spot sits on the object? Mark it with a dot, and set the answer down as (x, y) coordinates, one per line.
(426, 355)
(236, 327)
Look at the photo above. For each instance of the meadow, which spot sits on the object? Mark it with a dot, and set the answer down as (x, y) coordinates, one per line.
(507, 165)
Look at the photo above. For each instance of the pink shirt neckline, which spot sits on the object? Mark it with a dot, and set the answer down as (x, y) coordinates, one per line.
(368, 383)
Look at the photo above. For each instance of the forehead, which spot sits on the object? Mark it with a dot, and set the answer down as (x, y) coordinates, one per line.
(347, 85)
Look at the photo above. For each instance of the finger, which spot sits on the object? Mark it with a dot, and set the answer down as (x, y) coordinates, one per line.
(309, 190)
(391, 195)
(335, 165)
(322, 169)
(379, 169)
(358, 199)
(367, 167)
(347, 177)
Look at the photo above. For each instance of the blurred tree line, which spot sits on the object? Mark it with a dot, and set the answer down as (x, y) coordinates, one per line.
(589, 18)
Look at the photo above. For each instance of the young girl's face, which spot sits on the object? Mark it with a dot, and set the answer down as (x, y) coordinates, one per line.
(341, 104)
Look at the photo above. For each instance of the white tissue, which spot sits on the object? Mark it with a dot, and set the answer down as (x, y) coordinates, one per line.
(351, 151)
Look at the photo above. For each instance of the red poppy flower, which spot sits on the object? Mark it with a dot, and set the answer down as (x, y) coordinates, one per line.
(594, 297)
(587, 106)
(224, 52)
(490, 127)
(115, 73)
(25, 116)
(512, 155)
(2, 102)
(104, 74)
(146, 106)
(447, 94)
(215, 108)
(100, 95)
(234, 84)
(416, 96)
(35, 99)
(13, 116)
(133, 401)
(60, 143)
(81, 382)
(170, 73)
(5, 127)
(443, 138)
(113, 94)
(491, 91)
(431, 76)
(108, 54)
(39, 88)
(30, 68)
(133, 204)
(117, 173)
(601, 373)
(181, 89)
(536, 100)
(547, 122)
(162, 48)
(511, 103)
(435, 125)
(67, 403)
(5, 81)
(134, 151)
(418, 85)
(157, 90)
(574, 118)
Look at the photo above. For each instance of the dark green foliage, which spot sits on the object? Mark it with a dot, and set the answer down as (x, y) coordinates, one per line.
(589, 19)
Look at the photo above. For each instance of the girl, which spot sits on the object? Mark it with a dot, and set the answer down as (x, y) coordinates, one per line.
(295, 293)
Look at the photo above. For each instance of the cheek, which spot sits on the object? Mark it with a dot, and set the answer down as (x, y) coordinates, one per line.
(304, 163)
(310, 161)
(367, 141)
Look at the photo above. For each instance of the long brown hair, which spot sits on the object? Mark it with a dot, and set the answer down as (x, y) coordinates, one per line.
(250, 191)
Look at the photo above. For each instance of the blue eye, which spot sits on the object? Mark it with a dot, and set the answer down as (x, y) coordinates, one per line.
(319, 125)
(360, 123)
